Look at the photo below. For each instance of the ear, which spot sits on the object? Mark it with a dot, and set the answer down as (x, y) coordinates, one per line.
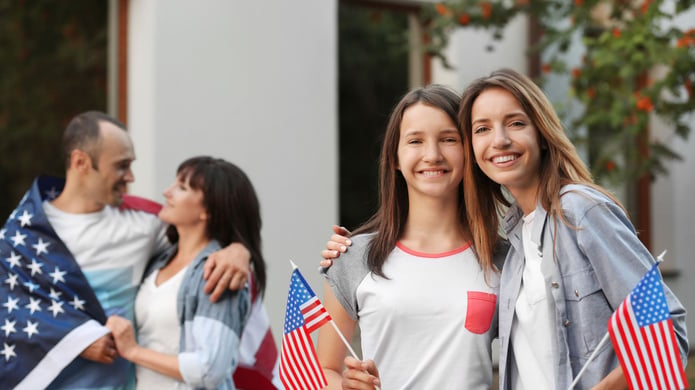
(80, 161)
(204, 216)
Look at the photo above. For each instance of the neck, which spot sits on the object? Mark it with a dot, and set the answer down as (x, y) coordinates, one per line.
(191, 242)
(73, 200)
(526, 198)
(433, 226)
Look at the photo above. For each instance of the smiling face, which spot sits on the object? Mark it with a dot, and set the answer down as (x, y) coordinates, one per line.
(505, 142)
(107, 181)
(184, 205)
(430, 153)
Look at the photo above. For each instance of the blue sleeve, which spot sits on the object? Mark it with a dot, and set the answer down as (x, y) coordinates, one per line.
(211, 333)
(620, 260)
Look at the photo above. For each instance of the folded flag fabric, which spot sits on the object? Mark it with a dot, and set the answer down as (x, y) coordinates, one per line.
(49, 312)
(642, 333)
(299, 367)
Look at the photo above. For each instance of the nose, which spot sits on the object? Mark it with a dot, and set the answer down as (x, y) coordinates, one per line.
(433, 153)
(167, 191)
(129, 177)
(501, 138)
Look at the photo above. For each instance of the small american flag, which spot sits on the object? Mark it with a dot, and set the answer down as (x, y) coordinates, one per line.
(299, 367)
(642, 334)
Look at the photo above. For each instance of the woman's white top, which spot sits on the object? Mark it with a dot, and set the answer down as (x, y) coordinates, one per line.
(158, 327)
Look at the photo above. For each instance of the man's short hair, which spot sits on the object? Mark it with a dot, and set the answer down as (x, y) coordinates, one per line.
(82, 133)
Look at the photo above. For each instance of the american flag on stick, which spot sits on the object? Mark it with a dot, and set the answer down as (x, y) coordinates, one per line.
(641, 330)
(299, 366)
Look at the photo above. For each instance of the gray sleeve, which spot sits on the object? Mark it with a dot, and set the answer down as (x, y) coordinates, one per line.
(347, 272)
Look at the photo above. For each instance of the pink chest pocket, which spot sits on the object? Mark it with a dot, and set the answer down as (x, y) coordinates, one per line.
(480, 311)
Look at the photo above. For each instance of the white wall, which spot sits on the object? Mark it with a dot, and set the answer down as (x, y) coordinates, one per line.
(673, 213)
(253, 82)
(470, 58)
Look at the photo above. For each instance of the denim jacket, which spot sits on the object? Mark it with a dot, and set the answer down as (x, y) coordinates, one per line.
(210, 332)
(589, 268)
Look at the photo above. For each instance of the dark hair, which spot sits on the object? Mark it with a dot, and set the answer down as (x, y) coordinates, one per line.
(389, 220)
(83, 133)
(232, 205)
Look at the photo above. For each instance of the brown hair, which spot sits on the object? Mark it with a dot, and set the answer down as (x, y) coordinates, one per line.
(389, 220)
(560, 163)
(83, 133)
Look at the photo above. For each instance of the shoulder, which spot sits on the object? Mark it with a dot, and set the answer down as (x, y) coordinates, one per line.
(137, 203)
(579, 198)
(137, 212)
(584, 205)
(357, 252)
(351, 266)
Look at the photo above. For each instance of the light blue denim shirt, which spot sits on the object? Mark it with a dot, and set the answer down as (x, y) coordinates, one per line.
(589, 268)
(210, 332)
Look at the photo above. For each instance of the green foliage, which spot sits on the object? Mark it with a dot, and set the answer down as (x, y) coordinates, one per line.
(636, 64)
(52, 66)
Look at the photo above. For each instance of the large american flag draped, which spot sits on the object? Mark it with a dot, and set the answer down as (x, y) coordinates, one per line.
(299, 367)
(642, 334)
(49, 313)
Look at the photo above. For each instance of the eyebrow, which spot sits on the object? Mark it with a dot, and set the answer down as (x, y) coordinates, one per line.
(411, 133)
(506, 117)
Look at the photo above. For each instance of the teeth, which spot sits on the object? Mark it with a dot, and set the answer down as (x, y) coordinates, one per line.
(503, 159)
(432, 173)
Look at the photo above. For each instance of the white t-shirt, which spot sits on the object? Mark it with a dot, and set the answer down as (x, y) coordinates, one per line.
(158, 326)
(533, 326)
(112, 247)
(430, 325)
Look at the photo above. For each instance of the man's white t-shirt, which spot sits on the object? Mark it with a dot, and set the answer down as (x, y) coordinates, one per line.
(112, 247)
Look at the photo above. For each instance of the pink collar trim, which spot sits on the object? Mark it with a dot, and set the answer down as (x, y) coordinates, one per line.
(432, 255)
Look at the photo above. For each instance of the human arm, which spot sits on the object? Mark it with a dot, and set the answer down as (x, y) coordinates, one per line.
(103, 350)
(336, 245)
(129, 349)
(614, 380)
(227, 268)
(330, 349)
(620, 260)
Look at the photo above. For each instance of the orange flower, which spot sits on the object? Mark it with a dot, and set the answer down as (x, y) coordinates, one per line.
(616, 32)
(486, 9)
(545, 68)
(610, 166)
(591, 92)
(464, 19)
(688, 39)
(578, 3)
(644, 103)
(645, 6)
(442, 9)
(576, 72)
